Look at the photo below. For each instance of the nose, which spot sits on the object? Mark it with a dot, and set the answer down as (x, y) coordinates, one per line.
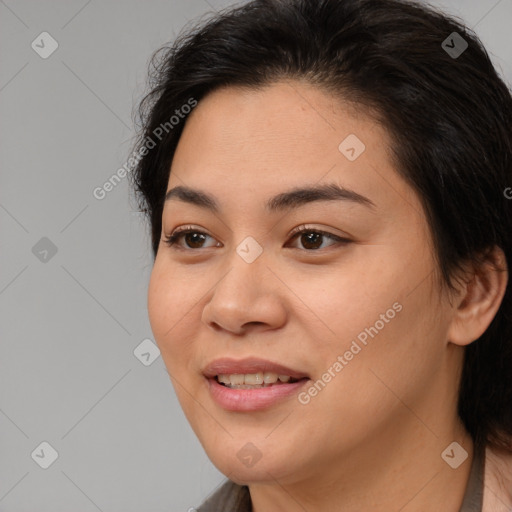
(248, 298)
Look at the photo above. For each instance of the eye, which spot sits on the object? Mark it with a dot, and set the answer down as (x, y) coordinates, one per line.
(311, 239)
(193, 237)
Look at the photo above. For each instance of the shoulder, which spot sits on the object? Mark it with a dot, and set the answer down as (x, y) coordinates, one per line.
(497, 481)
(230, 497)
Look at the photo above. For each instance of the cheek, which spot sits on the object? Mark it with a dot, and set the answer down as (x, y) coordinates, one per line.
(373, 380)
(171, 316)
(159, 304)
(341, 301)
(170, 309)
(398, 354)
(377, 315)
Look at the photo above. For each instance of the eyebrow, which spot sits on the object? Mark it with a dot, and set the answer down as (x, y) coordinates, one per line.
(293, 198)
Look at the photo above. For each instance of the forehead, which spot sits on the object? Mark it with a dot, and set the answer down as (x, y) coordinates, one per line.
(249, 143)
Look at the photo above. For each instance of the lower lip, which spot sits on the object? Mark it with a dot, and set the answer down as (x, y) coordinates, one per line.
(252, 399)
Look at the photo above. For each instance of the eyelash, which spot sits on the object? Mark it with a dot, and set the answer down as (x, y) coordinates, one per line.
(180, 232)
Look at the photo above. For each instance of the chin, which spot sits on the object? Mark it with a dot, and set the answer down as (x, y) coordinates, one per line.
(260, 473)
(247, 466)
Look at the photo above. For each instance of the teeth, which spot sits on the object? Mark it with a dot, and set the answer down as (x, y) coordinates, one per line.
(269, 377)
(249, 380)
(253, 378)
(237, 379)
(223, 379)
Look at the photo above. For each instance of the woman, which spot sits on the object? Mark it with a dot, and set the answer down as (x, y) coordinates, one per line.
(327, 187)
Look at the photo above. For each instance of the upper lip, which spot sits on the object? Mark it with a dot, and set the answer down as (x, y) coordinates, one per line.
(228, 366)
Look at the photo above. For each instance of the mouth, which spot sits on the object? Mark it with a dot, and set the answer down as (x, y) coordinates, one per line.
(251, 384)
(254, 380)
(251, 372)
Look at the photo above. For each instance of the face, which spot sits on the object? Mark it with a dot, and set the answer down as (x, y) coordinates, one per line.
(333, 287)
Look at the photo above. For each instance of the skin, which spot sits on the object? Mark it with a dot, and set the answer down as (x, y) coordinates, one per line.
(372, 438)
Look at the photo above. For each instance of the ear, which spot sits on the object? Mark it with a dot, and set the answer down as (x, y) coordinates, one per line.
(479, 298)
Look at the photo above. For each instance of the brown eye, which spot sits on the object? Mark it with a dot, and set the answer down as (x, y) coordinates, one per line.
(312, 239)
(193, 238)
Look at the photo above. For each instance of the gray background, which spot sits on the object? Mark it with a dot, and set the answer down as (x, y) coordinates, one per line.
(70, 321)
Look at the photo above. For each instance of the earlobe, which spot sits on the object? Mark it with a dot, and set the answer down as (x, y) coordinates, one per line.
(479, 299)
